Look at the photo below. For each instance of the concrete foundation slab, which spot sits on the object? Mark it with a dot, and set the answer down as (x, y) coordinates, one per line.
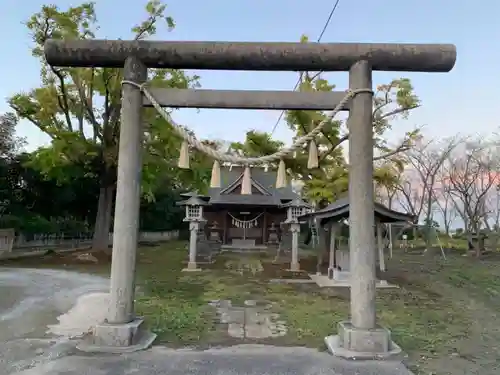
(235, 360)
(191, 270)
(191, 267)
(291, 281)
(118, 338)
(354, 343)
(244, 243)
(248, 249)
(323, 282)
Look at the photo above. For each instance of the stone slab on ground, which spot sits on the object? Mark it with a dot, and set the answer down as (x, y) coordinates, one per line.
(244, 265)
(236, 360)
(291, 281)
(253, 320)
(324, 282)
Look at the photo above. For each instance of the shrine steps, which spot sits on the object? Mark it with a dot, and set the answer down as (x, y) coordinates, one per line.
(241, 248)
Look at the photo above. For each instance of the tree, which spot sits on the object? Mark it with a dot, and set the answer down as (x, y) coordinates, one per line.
(492, 206)
(327, 182)
(444, 203)
(472, 173)
(387, 178)
(26, 189)
(417, 184)
(79, 108)
(324, 184)
(9, 142)
(71, 209)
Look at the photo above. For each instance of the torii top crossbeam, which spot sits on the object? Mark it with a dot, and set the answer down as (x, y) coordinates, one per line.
(252, 55)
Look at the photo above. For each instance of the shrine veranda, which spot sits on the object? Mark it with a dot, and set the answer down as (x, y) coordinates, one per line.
(361, 337)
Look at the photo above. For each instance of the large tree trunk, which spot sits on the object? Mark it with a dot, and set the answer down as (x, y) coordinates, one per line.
(446, 226)
(478, 237)
(100, 241)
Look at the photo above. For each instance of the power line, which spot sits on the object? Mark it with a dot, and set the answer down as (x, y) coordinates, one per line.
(327, 23)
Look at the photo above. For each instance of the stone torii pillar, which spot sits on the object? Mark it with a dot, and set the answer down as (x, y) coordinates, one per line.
(359, 338)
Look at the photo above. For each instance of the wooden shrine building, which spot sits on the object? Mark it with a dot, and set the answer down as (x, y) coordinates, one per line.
(339, 210)
(245, 220)
(333, 216)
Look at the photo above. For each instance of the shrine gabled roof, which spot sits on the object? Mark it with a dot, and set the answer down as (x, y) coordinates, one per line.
(263, 180)
(246, 200)
(339, 210)
(236, 183)
(193, 200)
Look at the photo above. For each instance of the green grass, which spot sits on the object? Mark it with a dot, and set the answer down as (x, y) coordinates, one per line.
(423, 317)
(175, 305)
(458, 244)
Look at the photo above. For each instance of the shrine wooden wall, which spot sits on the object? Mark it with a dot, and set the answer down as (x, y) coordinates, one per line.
(228, 230)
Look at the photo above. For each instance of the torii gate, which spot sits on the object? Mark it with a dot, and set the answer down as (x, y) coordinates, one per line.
(359, 338)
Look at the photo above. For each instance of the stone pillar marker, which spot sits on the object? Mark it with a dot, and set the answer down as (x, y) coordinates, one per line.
(122, 332)
(7, 238)
(193, 239)
(294, 264)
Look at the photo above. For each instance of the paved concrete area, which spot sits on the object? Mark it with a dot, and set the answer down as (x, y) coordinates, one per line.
(238, 360)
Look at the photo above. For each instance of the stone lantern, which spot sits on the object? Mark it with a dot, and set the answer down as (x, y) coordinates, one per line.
(194, 215)
(295, 209)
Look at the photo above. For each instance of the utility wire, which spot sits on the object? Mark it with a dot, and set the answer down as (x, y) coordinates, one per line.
(327, 23)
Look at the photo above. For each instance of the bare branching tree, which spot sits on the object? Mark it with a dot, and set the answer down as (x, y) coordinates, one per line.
(444, 201)
(473, 173)
(492, 208)
(416, 187)
(409, 193)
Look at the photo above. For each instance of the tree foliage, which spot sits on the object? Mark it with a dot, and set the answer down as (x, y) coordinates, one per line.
(79, 108)
(71, 208)
(326, 183)
(9, 142)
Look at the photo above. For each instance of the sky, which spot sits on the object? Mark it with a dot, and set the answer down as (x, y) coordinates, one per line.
(462, 101)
